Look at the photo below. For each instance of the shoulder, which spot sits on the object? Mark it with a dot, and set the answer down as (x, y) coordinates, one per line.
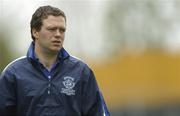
(82, 65)
(12, 66)
(78, 61)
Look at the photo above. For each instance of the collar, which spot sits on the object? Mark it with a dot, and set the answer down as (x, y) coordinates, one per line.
(62, 54)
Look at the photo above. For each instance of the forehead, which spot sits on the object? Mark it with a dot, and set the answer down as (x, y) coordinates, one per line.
(54, 20)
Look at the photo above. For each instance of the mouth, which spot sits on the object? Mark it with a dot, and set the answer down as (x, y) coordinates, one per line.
(56, 43)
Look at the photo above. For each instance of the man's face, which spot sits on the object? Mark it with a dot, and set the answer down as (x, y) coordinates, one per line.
(50, 38)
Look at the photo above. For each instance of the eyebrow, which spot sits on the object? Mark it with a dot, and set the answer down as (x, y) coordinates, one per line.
(55, 27)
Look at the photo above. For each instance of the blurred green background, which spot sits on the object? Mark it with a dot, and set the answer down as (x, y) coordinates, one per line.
(133, 46)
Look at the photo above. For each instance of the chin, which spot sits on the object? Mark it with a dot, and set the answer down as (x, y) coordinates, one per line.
(56, 49)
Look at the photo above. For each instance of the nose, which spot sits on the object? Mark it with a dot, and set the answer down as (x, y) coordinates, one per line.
(58, 34)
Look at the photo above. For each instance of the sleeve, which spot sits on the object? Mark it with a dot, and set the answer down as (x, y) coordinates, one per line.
(93, 103)
(7, 94)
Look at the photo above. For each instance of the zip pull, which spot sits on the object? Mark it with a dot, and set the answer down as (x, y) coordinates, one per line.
(48, 92)
(49, 85)
(49, 77)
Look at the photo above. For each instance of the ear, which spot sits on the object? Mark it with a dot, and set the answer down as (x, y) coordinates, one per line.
(35, 33)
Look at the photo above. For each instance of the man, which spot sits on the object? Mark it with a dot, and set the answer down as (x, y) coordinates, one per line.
(48, 81)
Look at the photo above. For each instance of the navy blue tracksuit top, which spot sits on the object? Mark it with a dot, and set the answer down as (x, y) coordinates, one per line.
(27, 88)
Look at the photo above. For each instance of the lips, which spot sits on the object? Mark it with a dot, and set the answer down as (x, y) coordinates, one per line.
(56, 42)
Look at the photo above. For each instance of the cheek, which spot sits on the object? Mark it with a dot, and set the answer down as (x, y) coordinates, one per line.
(45, 36)
(63, 37)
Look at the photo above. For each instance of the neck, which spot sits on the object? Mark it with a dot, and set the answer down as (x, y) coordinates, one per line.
(45, 58)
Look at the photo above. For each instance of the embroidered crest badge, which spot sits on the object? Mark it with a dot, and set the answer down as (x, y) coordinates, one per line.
(69, 85)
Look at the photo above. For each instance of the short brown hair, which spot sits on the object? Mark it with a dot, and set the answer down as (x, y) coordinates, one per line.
(42, 13)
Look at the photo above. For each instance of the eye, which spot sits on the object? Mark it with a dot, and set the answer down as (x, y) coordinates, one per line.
(52, 29)
(62, 30)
